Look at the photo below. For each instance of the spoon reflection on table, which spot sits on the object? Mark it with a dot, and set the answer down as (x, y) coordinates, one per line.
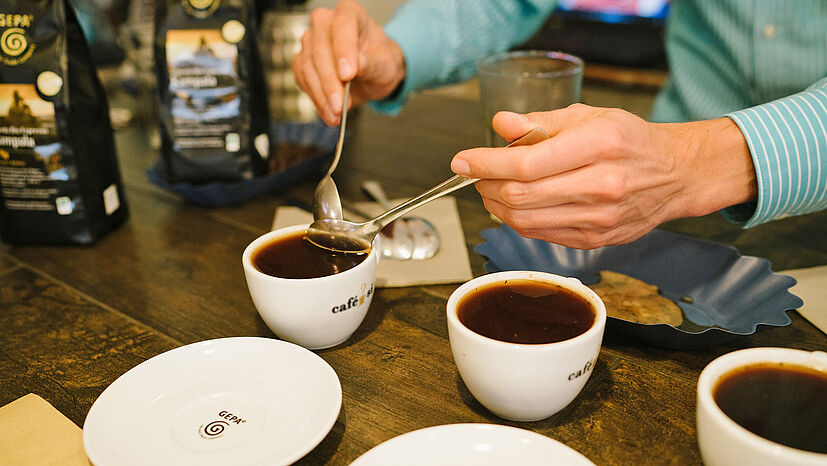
(402, 239)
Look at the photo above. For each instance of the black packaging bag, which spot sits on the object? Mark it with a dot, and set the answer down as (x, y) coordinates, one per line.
(59, 176)
(213, 107)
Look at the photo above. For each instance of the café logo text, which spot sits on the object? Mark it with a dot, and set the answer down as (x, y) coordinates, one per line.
(354, 301)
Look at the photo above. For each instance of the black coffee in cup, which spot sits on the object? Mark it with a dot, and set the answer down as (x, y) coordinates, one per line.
(785, 403)
(526, 311)
(291, 256)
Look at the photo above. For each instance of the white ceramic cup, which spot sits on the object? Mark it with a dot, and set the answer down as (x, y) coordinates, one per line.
(315, 313)
(524, 382)
(721, 440)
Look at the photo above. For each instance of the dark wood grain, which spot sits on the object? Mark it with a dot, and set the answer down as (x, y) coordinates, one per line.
(63, 346)
(73, 319)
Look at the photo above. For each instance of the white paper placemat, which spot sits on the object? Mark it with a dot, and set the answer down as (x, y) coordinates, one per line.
(812, 289)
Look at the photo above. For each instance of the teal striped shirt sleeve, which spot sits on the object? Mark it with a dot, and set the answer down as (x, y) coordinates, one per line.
(787, 139)
(445, 51)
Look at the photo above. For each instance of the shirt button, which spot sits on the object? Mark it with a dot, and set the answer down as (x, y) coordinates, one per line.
(769, 31)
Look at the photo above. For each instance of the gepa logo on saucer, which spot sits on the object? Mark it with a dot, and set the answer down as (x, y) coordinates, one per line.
(215, 429)
(355, 300)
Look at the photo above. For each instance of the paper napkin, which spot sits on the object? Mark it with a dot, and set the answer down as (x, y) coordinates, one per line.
(449, 265)
(812, 289)
(33, 432)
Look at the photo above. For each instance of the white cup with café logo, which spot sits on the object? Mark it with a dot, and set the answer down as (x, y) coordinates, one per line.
(317, 312)
(525, 382)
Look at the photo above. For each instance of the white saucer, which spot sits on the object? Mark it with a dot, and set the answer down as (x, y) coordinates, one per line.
(243, 400)
(471, 444)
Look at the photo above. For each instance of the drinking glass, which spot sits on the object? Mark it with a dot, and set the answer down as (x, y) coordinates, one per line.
(527, 81)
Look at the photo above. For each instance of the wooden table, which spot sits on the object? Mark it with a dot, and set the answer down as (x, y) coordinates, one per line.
(73, 319)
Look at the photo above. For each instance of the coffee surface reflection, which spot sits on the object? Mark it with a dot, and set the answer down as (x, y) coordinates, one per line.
(291, 256)
(526, 311)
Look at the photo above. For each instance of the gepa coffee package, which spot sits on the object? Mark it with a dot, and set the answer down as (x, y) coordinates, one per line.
(59, 176)
(213, 107)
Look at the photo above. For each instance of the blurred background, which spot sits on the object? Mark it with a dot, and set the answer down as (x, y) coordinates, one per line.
(621, 42)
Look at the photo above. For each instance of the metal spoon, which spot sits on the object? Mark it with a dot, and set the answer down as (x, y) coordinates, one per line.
(391, 245)
(413, 237)
(326, 202)
(346, 237)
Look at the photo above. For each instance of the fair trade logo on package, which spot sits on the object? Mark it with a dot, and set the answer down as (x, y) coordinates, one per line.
(200, 8)
(355, 300)
(15, 47)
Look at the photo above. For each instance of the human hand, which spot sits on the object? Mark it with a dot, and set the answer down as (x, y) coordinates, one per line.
(345, 44)
(606, 176)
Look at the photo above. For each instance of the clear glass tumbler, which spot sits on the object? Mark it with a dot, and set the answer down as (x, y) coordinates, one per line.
(527, 81)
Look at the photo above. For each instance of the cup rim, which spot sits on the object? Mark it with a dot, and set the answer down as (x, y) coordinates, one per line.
(568, 282)
(246, 257)
(483, 64)
(725, 364)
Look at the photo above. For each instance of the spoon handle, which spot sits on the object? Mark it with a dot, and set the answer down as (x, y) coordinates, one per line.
(342, 124)
(451, 184)
(448, 186)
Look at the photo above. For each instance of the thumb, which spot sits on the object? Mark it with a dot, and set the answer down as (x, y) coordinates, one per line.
(512, 125)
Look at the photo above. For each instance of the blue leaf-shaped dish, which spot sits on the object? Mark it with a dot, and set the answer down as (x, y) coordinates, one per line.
(722, 293)
(216, 194)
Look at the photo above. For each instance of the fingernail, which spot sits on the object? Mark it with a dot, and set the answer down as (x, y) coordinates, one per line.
(460, 167)
(335, 103)
(331, 117)
(519, 117)
(344, 69)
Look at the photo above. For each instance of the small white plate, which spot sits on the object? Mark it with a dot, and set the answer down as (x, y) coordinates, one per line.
(243, 400)
(471, 444)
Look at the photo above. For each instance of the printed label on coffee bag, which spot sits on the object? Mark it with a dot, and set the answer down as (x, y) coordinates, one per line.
(30, 155)
(200, 8)
(203, 84)
(15, 46)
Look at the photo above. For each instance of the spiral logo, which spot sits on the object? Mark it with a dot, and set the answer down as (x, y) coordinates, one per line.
(201, 4)
(13, 42)
(200, 8)
(215, 428)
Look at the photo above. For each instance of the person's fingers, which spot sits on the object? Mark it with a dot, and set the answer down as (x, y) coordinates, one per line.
(512, 125)
(571, 224)
(309, 81)
(321, 48)
(595, 216)
(606, 183)
(568, 150)
(349, 18)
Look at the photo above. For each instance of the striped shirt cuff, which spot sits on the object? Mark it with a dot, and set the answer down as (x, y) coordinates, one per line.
(787, 139)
